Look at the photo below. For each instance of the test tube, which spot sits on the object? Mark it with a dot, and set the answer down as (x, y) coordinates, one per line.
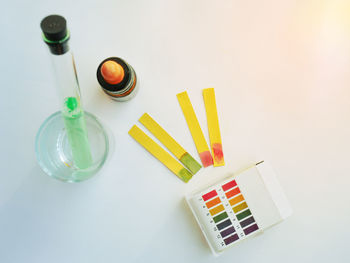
(56, 36)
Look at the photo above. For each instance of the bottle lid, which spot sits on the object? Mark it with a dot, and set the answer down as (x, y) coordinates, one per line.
(112, 72)
(54, 29)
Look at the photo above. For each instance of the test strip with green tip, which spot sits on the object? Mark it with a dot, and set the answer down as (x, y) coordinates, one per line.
(180, 153)
(158, 152)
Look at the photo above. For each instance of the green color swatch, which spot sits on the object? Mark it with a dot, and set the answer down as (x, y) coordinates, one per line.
(243, 214)
(220, 217)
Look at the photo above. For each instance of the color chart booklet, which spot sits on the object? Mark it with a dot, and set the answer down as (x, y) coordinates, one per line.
(240, 206)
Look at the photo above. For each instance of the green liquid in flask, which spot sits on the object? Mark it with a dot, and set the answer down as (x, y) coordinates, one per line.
(74, 122)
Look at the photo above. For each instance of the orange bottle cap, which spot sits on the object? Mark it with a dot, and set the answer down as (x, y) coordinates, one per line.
(112, 72)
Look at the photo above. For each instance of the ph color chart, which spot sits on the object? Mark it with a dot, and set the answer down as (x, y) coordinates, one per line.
(228, 213)
(239, 206)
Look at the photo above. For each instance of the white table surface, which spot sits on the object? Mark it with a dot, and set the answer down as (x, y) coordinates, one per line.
(281, 70)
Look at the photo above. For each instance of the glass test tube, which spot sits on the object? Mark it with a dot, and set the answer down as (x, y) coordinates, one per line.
(56, 36)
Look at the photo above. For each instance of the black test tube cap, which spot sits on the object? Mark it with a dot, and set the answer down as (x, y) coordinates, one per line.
(55, 34)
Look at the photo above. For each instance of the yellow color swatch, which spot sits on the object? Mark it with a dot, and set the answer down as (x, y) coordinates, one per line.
(213, 126)
(240, 207)
(195, 129)
(158, 152)
(216, 210)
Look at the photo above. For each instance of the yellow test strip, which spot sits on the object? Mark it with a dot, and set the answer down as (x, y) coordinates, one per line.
(180, 153)
(195, 129)
(158, 152)
(213, 126)
(162, 135)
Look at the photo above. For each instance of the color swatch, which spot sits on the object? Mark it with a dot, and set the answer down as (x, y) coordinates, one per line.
(213, 126)
(195, 129)
(180, 153)
(160, 153)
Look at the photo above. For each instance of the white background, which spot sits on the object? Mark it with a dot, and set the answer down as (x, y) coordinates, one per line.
(281, 73)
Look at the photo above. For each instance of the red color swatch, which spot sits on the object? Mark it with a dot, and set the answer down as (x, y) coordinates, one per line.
(229, 185)
(209, 195)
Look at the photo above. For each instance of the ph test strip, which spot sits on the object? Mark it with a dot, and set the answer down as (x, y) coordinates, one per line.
(180, 153)
(195, 129)
(213, 126)
(158, 152)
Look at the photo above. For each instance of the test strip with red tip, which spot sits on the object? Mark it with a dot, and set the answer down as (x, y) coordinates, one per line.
(213, 126)
(195, 129)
